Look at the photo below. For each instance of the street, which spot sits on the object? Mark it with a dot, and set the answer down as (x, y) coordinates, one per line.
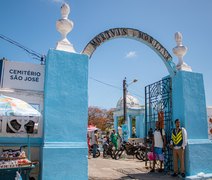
(124, 168)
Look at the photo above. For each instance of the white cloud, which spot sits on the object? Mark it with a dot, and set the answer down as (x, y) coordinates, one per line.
(131, 54)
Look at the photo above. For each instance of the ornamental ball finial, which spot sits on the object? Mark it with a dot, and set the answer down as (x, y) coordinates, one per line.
(180, 50)
(64, 26)
(178, 38)
(65, 10)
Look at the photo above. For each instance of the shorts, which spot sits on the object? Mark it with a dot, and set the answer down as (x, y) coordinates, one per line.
(159, 153)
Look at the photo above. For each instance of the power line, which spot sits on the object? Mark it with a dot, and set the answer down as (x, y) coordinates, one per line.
(105, 83)
(35, 55)
(116, 87)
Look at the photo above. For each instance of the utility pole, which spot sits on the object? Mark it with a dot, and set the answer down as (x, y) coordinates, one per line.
(124, 99)
(125, 85)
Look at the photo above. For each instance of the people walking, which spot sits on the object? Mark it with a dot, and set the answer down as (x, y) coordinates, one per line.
(95, 142)
(158, 144)
(178, 144)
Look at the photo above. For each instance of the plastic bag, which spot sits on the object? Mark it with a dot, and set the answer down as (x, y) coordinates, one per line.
(151, 156)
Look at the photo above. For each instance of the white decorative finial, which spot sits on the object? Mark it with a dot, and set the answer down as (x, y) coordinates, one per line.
(65, 10)
(180, 51)
(64, 26)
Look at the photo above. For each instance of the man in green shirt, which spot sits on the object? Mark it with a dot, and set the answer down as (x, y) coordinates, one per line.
(114, 139)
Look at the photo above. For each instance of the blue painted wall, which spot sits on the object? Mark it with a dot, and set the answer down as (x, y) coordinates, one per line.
(189, 103)
(199, 157)
(190, 107)
(140, 126)
(115, 122)
(65, 116)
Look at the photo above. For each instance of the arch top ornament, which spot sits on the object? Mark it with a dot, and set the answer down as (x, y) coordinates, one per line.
(133, 34)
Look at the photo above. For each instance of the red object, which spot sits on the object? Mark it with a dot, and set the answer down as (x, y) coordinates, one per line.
(161, 119)
(88, 141)
(151, 156)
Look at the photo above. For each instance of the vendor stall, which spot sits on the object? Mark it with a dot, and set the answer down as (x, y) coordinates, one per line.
(17, 118)
(14, 163)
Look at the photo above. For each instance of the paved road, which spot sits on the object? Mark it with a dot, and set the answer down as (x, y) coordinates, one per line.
(124, 169)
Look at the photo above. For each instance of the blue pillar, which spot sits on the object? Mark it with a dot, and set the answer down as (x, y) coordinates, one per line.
(115, 120)
(140, 126)
(129, 124)
(137, 126)
(190, 107)
(64, 152)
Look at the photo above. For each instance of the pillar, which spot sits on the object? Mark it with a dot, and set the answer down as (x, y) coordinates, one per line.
(64, 152)
(115, 118)
(190, 107)
(129, 124)
(140, 126)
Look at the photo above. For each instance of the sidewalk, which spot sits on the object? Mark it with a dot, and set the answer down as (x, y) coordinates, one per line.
(124, 169)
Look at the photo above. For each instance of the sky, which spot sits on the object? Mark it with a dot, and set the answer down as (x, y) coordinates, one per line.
(32, 24)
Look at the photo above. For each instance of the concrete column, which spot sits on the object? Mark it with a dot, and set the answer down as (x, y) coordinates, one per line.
(115, 120)
(137, 126)
(64, 151)
(129, 124)
(190, 107)
(140, 126)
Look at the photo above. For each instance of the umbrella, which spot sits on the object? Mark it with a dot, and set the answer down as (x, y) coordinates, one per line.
(10, 106)
(92, 128)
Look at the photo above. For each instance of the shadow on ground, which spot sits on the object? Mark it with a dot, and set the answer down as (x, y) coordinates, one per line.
(138, 174)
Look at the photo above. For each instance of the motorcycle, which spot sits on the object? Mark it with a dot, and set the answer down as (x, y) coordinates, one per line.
(108, 150)
(129, 149)
(142, 152)
(97, 151)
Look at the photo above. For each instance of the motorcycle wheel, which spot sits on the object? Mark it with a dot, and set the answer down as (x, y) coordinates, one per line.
(104, 153)
(118, 155)
(112, 155)
(97, 153)
(140, 155)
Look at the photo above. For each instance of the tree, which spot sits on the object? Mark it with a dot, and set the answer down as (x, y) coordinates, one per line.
(101, 118)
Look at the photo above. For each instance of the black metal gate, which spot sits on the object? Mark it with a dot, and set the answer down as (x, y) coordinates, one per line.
(158, 104)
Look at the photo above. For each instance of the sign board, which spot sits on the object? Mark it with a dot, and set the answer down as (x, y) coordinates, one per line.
(24, 76)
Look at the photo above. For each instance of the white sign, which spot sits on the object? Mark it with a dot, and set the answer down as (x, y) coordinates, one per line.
(24, 76)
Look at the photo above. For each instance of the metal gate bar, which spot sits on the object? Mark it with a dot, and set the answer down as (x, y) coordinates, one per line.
(158, 98)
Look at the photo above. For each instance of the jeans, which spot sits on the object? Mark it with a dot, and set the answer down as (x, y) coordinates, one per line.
(94, 150)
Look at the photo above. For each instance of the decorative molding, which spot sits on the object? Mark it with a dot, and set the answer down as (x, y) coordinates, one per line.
(65, 145)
